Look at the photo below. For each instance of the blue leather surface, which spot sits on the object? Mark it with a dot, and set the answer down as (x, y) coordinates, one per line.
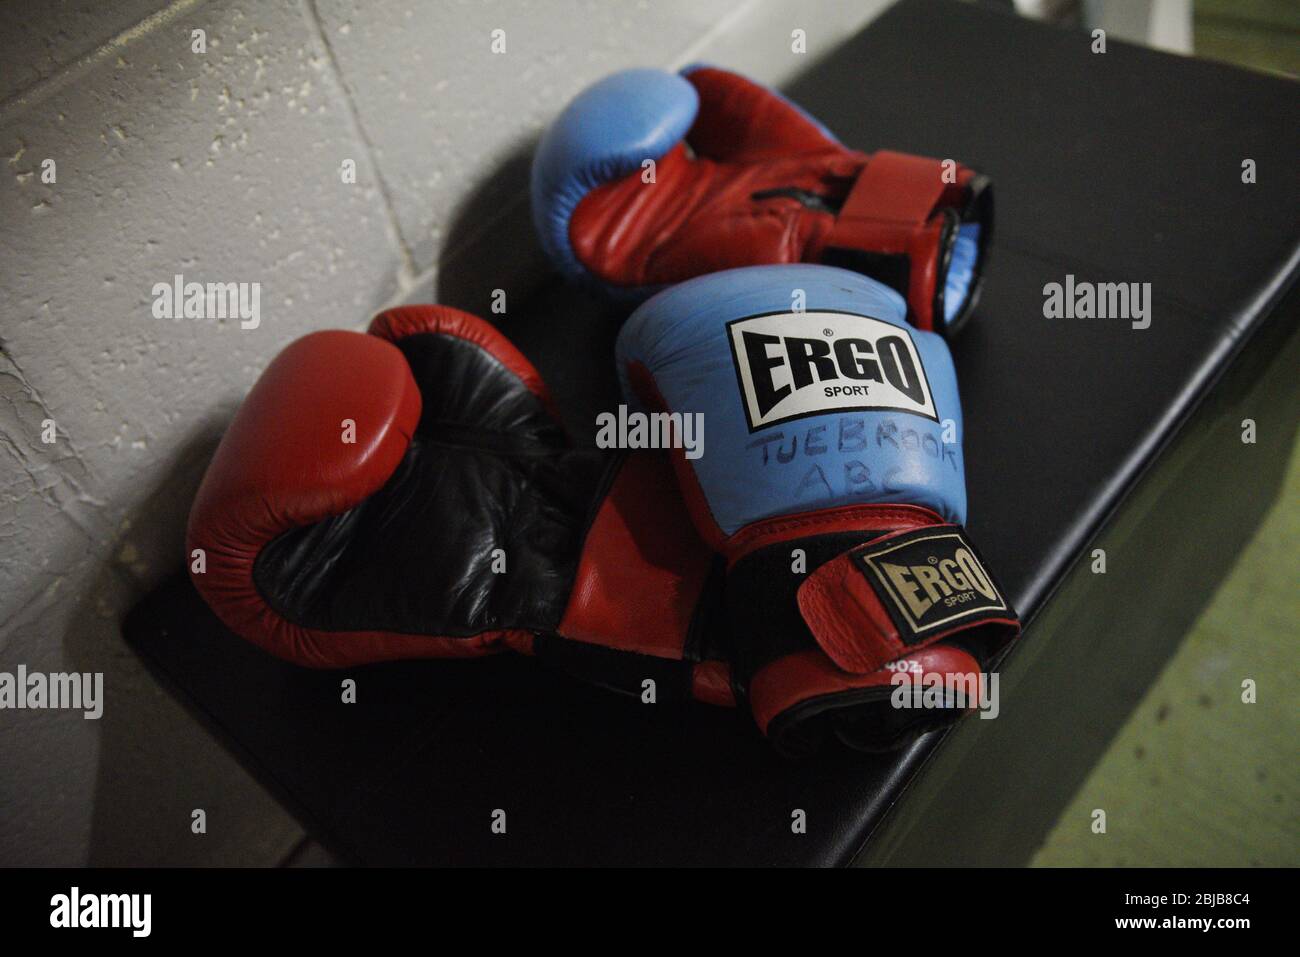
(604, 134)
(680, 336)
(961, 268)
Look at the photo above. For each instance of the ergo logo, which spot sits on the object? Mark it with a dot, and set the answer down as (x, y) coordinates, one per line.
(795, 364)
(950, 580)
(930, 579)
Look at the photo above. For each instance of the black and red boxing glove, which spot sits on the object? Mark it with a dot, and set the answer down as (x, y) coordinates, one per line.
(411, 494)
(740, 177)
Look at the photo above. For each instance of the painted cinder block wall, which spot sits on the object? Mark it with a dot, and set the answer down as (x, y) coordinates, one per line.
(225, 166)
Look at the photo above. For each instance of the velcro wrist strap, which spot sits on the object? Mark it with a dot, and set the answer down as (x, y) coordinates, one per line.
(887, 229)
(895, 188)
(877, 602)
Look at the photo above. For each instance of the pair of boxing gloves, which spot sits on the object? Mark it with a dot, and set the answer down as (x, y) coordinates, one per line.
(411, 493)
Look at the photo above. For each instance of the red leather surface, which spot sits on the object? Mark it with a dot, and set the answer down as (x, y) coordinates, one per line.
(741, 121)
(895, 188)
(700, 214)
(642, 568)
(696, 504)
(787, 681)
(846, 617)
(283, 464)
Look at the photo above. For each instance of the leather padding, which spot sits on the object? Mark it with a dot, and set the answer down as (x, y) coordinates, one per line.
(683, 339)
(740, 121)
(283, 464)
(752, 180)
(331, 553)
(643, 568)
(487, 479)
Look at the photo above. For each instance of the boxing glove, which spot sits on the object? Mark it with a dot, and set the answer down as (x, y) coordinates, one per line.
(410, 494)
(831, 479)
(741, 176)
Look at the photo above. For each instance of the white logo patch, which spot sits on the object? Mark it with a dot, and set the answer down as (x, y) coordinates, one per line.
(795, 364)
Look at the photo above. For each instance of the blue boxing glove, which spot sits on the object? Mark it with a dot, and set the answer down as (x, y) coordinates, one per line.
(831, 480)
(650, 178)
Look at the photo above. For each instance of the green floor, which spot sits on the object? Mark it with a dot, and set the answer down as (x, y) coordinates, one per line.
(1197, 776)
(1261, 34)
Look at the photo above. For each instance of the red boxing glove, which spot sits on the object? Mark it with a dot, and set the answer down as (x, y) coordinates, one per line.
(741, 176)
(410, 494)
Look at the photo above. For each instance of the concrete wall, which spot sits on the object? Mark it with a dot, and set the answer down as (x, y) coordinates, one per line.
(225, 166)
